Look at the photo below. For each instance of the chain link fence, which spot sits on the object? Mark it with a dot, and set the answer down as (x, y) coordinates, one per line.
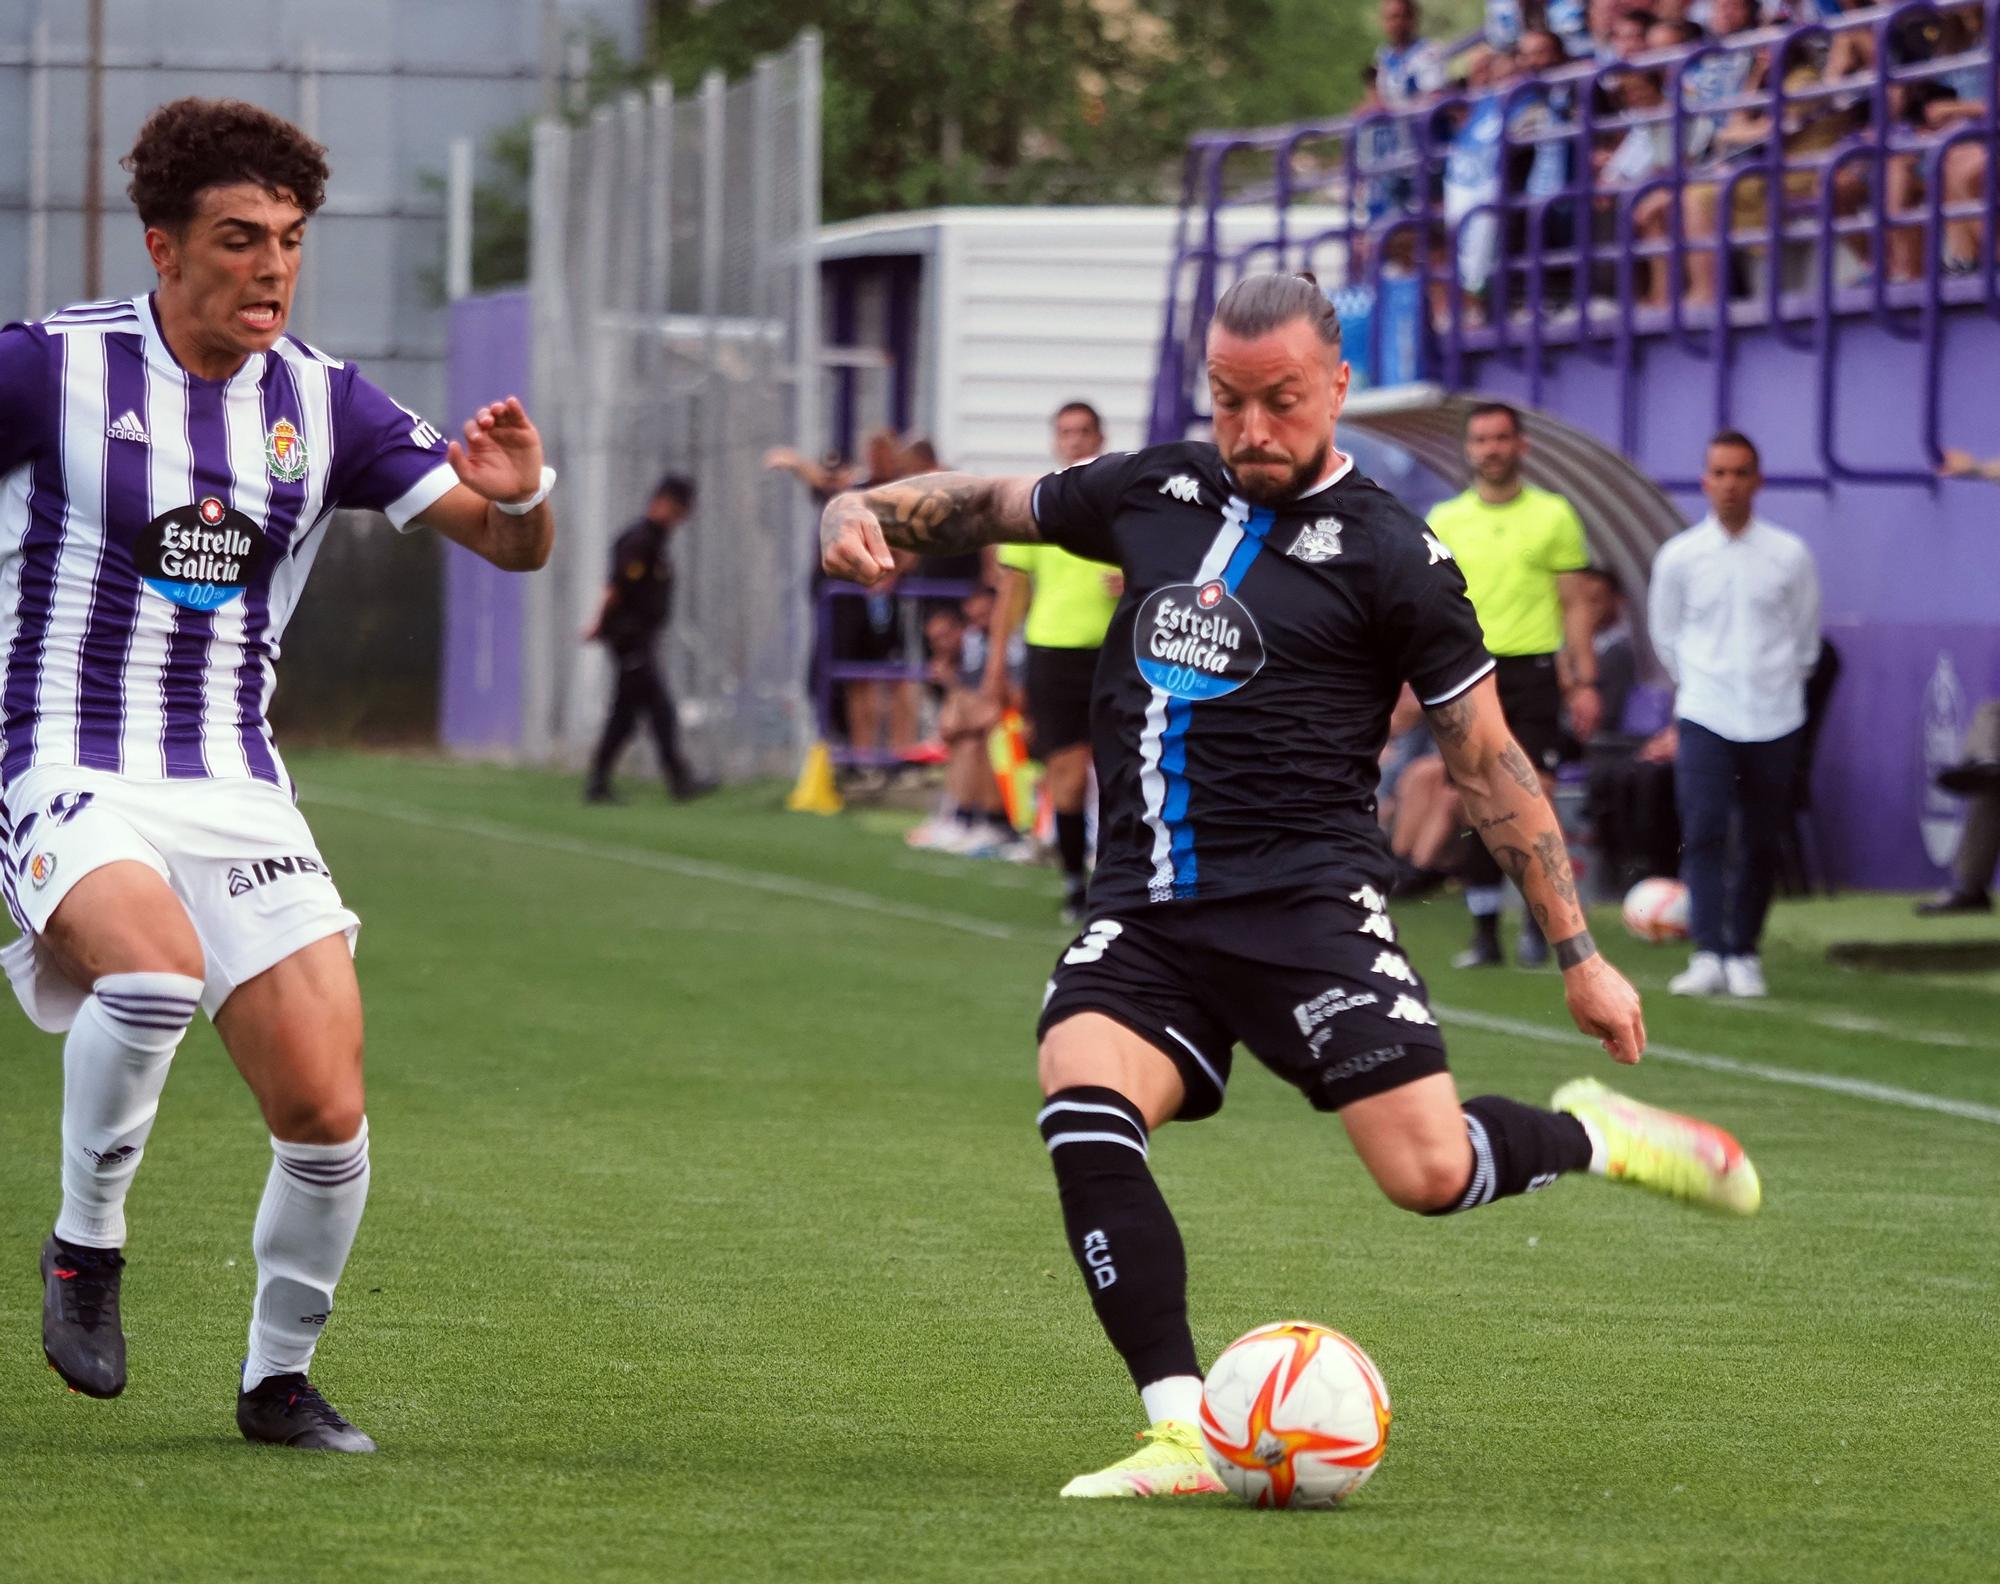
(674, 289)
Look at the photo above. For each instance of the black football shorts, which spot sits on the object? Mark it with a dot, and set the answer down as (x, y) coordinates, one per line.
(1314, 984)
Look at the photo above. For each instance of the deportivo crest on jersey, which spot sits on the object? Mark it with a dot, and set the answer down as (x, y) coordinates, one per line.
(285, 452)
(1318, 541)
(1196, 642)
(1183, 488)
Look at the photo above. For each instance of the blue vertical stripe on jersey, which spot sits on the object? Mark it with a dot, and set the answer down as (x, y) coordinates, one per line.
(41, 550)
(1180, 716)
(107, 639)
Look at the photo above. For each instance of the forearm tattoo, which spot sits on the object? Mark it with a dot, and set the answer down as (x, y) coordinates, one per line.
(937, 513)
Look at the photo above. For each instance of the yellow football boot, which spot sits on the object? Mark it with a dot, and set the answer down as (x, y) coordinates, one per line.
(1170, 1463)
(1680, 1156)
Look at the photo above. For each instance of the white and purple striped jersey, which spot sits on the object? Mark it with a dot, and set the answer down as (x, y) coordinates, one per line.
(156, 529)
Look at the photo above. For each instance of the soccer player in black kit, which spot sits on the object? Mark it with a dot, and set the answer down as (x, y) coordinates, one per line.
(1275, 602)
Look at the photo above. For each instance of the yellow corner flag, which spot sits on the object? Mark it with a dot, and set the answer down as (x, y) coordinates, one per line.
(814, 791)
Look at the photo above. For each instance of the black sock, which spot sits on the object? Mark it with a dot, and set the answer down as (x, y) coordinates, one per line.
(1517, 1148)
(1486, 930)
(1120, 1230)
(997, 818)
(1071, 838)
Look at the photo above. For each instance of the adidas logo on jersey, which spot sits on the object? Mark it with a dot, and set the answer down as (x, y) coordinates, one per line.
(1183, 488)
(128, 427)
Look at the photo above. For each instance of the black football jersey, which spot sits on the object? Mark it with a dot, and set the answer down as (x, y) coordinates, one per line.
(1244, 688)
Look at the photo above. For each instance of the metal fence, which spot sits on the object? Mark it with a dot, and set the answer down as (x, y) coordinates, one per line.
(674, 284)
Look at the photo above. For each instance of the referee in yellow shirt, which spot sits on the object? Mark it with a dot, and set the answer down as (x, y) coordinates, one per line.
(1068, 604)
(1521, 550)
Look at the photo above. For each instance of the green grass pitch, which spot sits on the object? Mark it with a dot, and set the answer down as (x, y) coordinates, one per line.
(711, 1239)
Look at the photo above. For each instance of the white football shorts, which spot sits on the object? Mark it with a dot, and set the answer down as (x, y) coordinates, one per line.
(237, 854)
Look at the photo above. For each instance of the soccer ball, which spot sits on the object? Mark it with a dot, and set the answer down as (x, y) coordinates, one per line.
(1294, 1415)
(1657, 910)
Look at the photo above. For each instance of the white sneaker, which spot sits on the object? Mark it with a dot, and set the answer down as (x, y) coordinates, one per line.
(1703, 976)
(933, 834)
(1744, 976)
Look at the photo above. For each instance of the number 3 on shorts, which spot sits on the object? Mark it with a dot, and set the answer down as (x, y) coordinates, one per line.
(1094, 940)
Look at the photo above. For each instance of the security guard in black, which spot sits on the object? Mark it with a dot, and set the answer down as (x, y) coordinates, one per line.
(638, 599)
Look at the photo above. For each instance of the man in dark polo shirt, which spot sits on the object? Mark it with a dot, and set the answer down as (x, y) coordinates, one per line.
(637, 601)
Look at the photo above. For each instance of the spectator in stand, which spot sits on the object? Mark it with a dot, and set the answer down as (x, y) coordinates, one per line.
(1928, 108)
(1506, 20)
(1520, 550)
(1472, 185)
(1734, 613)
(1380, 189)
(1408, 69)
(1603, 15)
(1811, 127)
(1569, 20)
(1542, 131)
(1977, 780)
(1067, 602)
(1628, 32)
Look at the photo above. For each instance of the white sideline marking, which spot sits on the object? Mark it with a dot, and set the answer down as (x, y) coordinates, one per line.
(1852, 1023)
(1859, 1088)
(867, 902)
(668, 863)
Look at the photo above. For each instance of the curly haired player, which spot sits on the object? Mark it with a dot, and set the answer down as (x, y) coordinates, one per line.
(168, 466)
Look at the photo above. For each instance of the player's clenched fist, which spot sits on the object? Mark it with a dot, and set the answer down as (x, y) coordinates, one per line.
(851, 543)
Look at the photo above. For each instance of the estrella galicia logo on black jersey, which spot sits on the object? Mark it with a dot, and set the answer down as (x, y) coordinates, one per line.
(1196, 641)
(200, 556)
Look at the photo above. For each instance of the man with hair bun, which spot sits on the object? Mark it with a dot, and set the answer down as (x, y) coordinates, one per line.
(1275, 602)
(168, 467)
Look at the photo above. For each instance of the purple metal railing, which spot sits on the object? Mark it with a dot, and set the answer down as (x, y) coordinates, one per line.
(1611, 325)
(829, 672)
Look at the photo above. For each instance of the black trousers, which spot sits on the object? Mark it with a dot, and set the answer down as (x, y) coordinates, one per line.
(641, 691)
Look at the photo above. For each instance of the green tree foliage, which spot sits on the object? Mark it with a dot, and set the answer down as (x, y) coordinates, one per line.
(929, 102)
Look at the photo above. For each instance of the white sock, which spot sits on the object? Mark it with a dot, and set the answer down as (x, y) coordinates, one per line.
(115, 1064)
(305, 1227)
(1176, 1397)
(1599, 1157)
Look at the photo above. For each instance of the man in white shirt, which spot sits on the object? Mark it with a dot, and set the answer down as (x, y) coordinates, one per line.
(1734, 610)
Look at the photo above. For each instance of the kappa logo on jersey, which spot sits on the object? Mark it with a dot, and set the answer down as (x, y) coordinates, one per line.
(285, 452)
(199, 556)
(42, 869)
(1409, 1009)
(1183, 487)
(1196, 642)
(1318, 541)
(128, 427)
(242, 882)
(1440, 551)
(1394, 965)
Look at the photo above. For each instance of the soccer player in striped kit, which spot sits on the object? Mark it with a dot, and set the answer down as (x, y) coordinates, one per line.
(168, 465)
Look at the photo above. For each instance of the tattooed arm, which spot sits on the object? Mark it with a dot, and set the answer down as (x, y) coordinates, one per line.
(932, 514)
(1504, 801)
